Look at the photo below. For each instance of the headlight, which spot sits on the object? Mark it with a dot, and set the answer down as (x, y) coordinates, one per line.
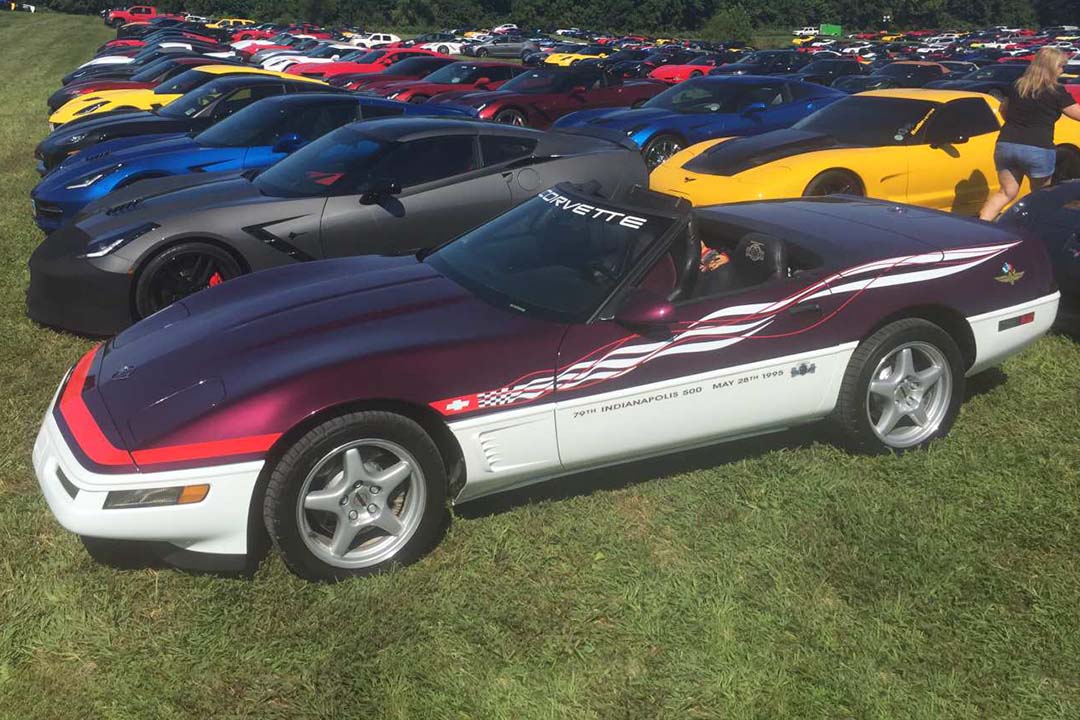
(156, 497)
(104, 246)
(88, 180)
(73, 139)
(92, 108)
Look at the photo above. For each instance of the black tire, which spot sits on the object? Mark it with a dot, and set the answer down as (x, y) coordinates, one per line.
(511, 116)
(444, 49)
(179, 271)
(834, 182)
(481, 52)
(1067, 166)
(418, 99)
(852, 418)
(695, 74)
(290, 476)
(660, 148)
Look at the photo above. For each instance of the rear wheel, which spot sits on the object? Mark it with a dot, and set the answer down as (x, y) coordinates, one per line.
(833, 182)
(902, 388)
(356, 495)
(444, 50)
(660, 148)
(179, 271)
(510, 116)
(481, 52)
(1067, 166)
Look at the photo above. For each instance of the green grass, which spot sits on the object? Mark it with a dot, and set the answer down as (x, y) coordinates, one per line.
(770, 579)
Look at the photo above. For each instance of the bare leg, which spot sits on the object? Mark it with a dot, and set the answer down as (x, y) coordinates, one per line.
(1010, 188)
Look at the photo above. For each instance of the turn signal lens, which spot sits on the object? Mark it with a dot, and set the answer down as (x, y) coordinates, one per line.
(156, 497)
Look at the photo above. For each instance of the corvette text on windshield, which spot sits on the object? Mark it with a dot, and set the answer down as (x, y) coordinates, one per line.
(583, 209)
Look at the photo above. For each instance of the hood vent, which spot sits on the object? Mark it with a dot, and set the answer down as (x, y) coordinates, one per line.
(123, 207)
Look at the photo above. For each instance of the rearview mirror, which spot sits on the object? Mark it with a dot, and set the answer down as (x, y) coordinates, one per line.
(377, 190)
(643, 309)
(753, 108)
(288, 143)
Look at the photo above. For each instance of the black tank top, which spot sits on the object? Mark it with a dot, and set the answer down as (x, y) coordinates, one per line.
(1030, 120)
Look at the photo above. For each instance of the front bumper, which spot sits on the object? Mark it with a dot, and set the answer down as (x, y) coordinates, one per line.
(217, 526)
(74, 293)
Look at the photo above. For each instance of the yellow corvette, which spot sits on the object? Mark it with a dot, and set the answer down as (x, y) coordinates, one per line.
(586, 52)
(933, 148)
(146, 99)
(230, 23)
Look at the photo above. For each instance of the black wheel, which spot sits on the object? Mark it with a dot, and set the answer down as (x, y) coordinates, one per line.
(481, 52)
(510, 116)
(660, 148)
(179, 271)
(902, 388)
(356, 495)
(1067, 165)
(444, 50)
(833, 182)
(418, 99)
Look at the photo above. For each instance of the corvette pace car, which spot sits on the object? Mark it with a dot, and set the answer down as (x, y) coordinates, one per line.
(195, 111)
(339, 405)
(393, 186)
(540, 96)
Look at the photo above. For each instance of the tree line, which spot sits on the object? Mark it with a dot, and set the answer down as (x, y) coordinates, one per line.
(704, 18)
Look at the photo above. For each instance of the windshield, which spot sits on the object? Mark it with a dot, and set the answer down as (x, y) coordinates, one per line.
(410, 66)
(194, 101)
(546, 257)
(368, 56)
(152, 71)
(183, 83)
(869, 121)
(628, 55)
(705, 95)
(342, 158)
(759, 58)
(455, 74)
(825, 66)
(328, 52)
(1002, 72)
(899, 70)
(542, 81)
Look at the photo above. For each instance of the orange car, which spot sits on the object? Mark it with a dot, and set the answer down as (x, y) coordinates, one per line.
(677, 73)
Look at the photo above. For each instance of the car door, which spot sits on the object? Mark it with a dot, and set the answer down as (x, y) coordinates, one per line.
(732, 361)
(444, 192)
(952, 168)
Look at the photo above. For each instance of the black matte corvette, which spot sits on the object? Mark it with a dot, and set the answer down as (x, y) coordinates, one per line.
(393, 186)
(194, 112)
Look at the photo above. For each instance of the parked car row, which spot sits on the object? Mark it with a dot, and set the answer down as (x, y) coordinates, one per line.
(333, 311)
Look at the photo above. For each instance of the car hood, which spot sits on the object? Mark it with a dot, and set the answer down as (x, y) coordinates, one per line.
(615, 118)
(148, 122)
(475, 98)
(277, 337)
(741, 154)
(130, 152)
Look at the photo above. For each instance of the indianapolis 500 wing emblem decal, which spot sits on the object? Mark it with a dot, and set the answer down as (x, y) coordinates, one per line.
(722, 328)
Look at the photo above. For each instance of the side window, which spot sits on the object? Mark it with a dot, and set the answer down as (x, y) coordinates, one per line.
(314, 122)
(968, 117)
(503, 72)
(497, 149)
(243, 97)
(768, 94)
(370, 112)
(428, 160)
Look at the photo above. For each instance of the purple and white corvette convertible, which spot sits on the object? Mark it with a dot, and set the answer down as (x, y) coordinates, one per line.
(338, 405)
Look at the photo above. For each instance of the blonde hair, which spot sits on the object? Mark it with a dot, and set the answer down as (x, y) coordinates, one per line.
(1042, 74)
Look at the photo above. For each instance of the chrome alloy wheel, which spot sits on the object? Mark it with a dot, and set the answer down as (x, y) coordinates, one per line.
(511, 117)
(909, 394)
(361, 503)
(661, 150)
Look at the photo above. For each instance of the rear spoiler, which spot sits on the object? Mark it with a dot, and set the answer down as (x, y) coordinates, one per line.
(614, 136)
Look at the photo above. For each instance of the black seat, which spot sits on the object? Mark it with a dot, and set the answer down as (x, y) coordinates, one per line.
(759, 258)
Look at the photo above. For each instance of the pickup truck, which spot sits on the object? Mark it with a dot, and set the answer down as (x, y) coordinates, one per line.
(116, 18)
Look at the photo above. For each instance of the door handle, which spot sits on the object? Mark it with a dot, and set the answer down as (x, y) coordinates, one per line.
(804, 308)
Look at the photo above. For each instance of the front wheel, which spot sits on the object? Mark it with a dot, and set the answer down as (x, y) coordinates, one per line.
(660, 148)
(510, 117)
(179, 271)
(481, 53)
(444, 50)
(833, 182)
(356, 495)
(902, 388)
(1067, 166)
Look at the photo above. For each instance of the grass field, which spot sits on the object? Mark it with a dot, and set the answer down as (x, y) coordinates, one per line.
(770, 579)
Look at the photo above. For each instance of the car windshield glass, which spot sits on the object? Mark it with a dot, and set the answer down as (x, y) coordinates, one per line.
(1005, 72)
(898, 70)
(152, 71)
(869, 121)
(556, 256)
(367, 57)
(343, 157)
(705, 95)
(758, 58)
(628, 55)
(455, 74)
(540, 81)
(253, 125)
(183, 83)
(326, 52)
(408, 66)
(193, 101)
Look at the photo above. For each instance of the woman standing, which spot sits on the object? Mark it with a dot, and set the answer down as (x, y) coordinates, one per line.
(1025, 145)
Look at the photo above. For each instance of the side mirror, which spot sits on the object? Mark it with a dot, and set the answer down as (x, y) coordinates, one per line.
(334, 58)
(290, 142)
(754, 108)
(643, 309)
(376, 190)
(483, 82)
(942, 140)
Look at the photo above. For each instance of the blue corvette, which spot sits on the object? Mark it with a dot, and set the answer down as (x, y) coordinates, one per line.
(253, 138)
(704, 108)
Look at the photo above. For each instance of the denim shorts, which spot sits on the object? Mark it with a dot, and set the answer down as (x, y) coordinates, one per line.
(1021, 160)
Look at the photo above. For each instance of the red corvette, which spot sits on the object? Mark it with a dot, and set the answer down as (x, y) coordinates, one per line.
(677, 73)
(138, 42)
(540, 96)
(412, 68)
(458, 76)
(373, 62)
